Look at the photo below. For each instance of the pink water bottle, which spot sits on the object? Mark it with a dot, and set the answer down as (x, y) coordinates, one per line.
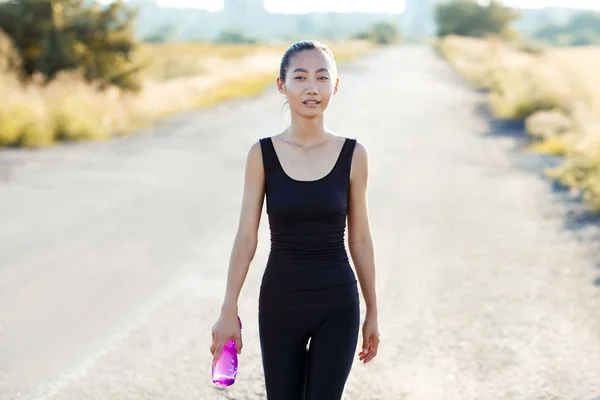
(225, 370)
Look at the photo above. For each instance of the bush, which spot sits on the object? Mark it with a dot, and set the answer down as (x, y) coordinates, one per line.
(548, 124)
(24, 122)
(581, 171)
(75, 120)
(519, 93)
(381, 33)
(469, 18)
(519, 83)
(80, 35)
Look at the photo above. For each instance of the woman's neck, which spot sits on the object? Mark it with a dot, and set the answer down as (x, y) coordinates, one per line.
(307, 131)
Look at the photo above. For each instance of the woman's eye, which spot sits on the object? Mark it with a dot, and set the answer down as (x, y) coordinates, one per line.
(299, 77)
(323, 77)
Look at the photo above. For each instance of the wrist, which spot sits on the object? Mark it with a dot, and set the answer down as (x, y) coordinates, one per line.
(229, 308)
(371, 313)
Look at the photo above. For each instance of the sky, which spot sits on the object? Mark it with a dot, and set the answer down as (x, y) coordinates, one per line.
(377, 6)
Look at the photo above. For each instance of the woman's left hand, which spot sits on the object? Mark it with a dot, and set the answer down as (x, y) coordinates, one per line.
(370, 332)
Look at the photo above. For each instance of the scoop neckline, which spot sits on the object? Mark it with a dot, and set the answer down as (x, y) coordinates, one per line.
(337, 161)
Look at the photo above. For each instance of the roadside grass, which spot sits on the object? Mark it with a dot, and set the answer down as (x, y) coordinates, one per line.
(556, 91)
(181, 77)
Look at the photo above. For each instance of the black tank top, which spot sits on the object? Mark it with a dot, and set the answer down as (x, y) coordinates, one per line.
(308, 266)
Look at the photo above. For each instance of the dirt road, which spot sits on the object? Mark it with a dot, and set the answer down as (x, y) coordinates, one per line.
(113, 255)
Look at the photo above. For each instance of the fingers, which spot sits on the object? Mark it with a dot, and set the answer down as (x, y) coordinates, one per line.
(216, 347)
(219, 342)
(222, 333)
(217, 353)
(370, 351)
(366, 351)
(238, 344)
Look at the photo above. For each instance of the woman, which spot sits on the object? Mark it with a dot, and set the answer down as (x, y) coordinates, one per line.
(313, 180)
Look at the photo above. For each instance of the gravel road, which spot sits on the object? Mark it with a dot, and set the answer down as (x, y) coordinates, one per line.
(113, 255)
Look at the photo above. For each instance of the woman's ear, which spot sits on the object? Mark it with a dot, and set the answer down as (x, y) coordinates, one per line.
(280, 86)
(337, 83)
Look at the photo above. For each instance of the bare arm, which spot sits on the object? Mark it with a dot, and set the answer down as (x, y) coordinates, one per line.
(360, 241)
(246, 239)
(244, 248)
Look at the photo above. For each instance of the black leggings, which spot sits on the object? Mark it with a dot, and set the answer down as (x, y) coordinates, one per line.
(293, 372)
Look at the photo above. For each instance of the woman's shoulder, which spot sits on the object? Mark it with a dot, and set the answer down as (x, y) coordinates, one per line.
(360, 156)
(255, 150)
(262, 140)
(259, 146)
(359, 147)
(273, 138)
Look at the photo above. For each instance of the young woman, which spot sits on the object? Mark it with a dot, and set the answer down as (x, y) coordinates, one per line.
(313, 180)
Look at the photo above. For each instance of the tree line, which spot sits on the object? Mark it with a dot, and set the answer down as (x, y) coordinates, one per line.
(99, 39)
(470, 18)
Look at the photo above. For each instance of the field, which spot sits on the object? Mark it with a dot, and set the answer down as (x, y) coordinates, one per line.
(555, 90)
(179, 77)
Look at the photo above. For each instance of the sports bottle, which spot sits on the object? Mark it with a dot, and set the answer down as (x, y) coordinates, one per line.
(225, 370)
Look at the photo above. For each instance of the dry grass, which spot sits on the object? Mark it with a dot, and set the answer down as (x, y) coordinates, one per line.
(181, 77)
(176, 60)
(556, 91)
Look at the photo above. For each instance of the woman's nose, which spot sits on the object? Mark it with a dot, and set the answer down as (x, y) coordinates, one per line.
(312, 89)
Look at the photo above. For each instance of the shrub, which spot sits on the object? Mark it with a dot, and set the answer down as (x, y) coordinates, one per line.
(548, 124)
(383, 33)
(469, 18)
(55, 36)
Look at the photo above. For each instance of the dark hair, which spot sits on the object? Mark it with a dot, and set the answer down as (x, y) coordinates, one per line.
(298, 47)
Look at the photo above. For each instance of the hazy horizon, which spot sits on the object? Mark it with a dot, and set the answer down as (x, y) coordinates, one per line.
(372, 6)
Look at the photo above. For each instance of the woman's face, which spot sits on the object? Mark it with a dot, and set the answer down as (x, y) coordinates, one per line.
(310, 82)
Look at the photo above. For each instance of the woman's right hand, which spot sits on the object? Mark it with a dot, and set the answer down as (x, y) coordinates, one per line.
(226, 327)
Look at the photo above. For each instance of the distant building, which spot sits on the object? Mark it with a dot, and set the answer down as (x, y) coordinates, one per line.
(251, 17)
(243, 14)
(418, 18)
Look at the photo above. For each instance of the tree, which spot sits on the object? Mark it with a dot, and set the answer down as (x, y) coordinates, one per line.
(583, 29)
(162, 34)
(385, 33)
(57, 35)
(469, 18)
(10, 60)
(382, 32)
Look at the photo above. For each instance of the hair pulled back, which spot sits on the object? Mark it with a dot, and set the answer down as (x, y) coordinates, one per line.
(298, 47)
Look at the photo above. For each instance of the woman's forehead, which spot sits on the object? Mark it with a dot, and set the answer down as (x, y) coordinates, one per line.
(310, 60)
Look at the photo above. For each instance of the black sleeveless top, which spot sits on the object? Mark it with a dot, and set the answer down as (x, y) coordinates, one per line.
(308, 267)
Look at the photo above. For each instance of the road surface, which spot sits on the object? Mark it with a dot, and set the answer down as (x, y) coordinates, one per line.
(113, 255)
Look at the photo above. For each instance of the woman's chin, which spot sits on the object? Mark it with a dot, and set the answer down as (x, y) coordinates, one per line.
(309, 112)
